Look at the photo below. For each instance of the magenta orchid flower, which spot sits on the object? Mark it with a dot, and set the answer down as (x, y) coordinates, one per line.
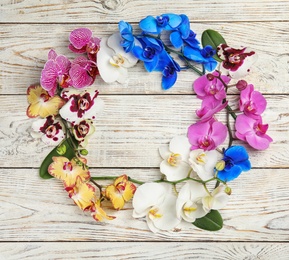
(236, 62)
(252, 102)
(83, 72)
(210, 87)
(81, 41)
(210, 108)
(207, 135)
(55, 71)
(80, 105)
(253, 132)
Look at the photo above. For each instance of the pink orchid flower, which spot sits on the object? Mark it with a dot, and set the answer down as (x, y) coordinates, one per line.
(55, 71)
(83, 72)
(252, 102)
(210, 108)
(253, 132)
(81, 41)
(207, 135)
(236, 62)
(210, 87)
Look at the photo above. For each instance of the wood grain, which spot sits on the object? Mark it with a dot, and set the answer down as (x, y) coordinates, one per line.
(33, 209)
(131, 129)
(145, 250)
(111, 11)
(22, 58)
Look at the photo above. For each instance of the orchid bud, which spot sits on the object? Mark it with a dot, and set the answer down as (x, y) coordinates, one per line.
(61, 150)
(83, 152)
(241, 84)
(220, 165)
(228, 190)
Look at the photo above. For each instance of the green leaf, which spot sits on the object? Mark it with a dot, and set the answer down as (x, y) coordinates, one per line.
(213, 38)
(212, 221)
(69, 153)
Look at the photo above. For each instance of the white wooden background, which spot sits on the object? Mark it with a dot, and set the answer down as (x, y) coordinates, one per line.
(39, 221)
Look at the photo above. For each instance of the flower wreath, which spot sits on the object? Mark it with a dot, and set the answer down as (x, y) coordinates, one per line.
(195, 170)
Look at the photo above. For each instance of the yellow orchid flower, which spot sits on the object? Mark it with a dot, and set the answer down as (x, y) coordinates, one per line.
(82, 193)
(68, 170)
(99, 214)
(41, 103)
(120, 192)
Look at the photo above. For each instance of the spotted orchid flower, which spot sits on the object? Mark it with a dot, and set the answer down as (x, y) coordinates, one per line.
(82, 41)
(155, 202)
(98, 213)
(82, 193)
(253, 131)
(189, 204)
(204, 162)
(49, 130)
(112, 60)
(252, 102)
(175, 158)
(156, 25)
(120, 191)
(80, 105)
(236, 62)
(207, 135)
(41, 103)
(68, 170)
(82, 131)
(55, 72)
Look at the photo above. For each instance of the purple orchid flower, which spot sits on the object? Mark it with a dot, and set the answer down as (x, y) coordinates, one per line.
(210, 108)
(207, 135)
(252, 102)
(253, 132)
(81, 41)
(55, 71)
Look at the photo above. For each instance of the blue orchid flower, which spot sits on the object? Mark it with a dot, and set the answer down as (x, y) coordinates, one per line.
(169, 69)
(182, 32)
(148, 52)
(236, 160)
(154, 25)
(128, 40)
(203, 56)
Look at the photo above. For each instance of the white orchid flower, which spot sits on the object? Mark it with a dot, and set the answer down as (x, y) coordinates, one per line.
(175, 158)
(156, 202)
(204, 162)
(217, 200)
(189, 203)
(112, 60)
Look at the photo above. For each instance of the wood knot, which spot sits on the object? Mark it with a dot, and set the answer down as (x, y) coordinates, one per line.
(110, 4)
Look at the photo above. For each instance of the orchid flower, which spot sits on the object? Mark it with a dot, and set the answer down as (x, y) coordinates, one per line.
(120, 191)
(204, 162)
(236, 62)
(81, 104)
(128, 39)
(175, 158)
(218, 199)
(252, 102)
(82, 131)
(155, 201)
(98, 213)
(112, 60)
(209, 108)
(55, 72)
(253, 131)
(189, 205)
(156, 25)
(68, 170)
(81, 41)
(49, 129)
(41, 103)
(235, 160)
(207, 135)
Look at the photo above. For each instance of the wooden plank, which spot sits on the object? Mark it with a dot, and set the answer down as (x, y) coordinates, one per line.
(131, 130)
(144, 250)
(22, 57)
(112, 11)
(33, 209)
